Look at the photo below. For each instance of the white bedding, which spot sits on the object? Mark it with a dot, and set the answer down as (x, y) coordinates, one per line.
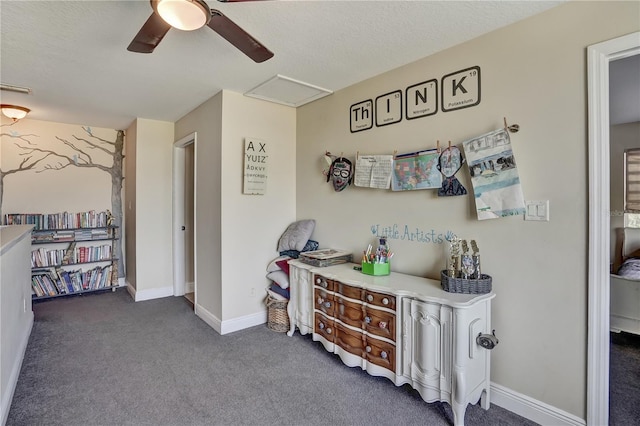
(625, 286)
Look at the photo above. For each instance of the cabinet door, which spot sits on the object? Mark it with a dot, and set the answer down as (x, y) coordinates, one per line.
(302, 298)
(428, 346)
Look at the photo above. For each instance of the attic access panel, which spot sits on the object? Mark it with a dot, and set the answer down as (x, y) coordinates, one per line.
(287, 91)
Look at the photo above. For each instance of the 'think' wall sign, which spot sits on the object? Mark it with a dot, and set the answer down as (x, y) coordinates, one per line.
(458, 90)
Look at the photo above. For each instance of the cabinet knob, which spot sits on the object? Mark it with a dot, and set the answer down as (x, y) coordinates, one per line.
(329, 330)
(383, 355)
(385, 301)
(382, 324)
(368, 349)
(327, 304)
(370, 298)
(321, 326)
(318, 280)
(367, 320)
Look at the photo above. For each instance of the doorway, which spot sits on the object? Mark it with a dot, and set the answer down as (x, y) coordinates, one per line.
(599, 57)
(184, 214)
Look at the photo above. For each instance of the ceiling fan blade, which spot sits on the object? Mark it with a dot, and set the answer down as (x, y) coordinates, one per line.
(238, 37)
(149, 35)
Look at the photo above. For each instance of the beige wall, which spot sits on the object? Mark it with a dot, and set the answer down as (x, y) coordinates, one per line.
(236, 233)
(153, 195)
(206, 121)
(533, 73)
(252, 224)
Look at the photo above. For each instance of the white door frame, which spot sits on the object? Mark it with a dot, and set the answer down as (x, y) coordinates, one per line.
(598, 58)
(179, 213)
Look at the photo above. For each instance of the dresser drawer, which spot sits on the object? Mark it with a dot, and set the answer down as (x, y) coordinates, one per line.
(324, 326)
(350, 340)
(380, 323)
(323, 301)
(380, 299)
(323, 282)
(351, 313)
(349, 290)
(380, 353)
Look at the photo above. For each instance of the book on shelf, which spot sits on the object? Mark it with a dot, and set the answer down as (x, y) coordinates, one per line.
(64, 220)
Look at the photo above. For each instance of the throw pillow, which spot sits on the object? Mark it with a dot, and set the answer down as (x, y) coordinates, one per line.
(280, 278)
(273, 265)
(296, 235)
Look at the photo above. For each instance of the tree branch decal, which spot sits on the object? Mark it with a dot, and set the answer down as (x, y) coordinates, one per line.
(83, 147)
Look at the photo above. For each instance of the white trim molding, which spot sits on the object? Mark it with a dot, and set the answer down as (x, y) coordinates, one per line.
(152, 293)
(532, 409)
(598, 58)
(234, 324)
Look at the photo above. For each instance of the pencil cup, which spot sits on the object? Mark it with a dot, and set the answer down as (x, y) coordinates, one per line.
(376, 268)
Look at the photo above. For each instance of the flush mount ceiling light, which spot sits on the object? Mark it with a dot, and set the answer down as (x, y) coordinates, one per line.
(14, 112)
(187, 15)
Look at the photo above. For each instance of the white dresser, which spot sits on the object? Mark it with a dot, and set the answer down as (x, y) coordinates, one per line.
(401, 327)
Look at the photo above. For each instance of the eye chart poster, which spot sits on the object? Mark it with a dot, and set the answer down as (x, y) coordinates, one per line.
(494, 175)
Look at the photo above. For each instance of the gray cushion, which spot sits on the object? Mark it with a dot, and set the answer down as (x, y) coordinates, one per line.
(296, 235)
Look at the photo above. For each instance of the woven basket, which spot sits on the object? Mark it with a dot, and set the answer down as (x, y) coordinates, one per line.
(277, 317)
(461, 285)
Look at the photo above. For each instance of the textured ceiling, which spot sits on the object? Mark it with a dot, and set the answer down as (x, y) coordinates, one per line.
(73, 55)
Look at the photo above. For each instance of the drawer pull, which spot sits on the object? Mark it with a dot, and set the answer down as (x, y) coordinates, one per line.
(383, 355)
(329, 330)
(318, 280)
(382, 324)
(368, 349)
(370, 298)
(367, 320)
(385, 301)
(321, 326)
(327, 304)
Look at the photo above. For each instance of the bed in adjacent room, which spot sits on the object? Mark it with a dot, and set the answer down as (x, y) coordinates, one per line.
(625, 285)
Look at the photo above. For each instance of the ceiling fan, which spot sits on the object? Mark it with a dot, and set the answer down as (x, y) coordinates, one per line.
(190, 15)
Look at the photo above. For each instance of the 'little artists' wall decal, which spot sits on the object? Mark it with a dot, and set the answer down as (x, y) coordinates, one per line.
(410, 233)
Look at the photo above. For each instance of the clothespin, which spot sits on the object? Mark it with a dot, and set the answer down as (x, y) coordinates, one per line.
(513, 128)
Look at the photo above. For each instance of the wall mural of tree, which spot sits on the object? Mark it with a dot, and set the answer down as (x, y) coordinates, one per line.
(83, 148)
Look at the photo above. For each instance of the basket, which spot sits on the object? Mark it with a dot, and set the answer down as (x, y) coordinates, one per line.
(462, 285)
(277, 317)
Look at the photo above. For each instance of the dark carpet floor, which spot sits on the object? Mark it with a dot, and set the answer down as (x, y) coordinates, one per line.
(102, 359)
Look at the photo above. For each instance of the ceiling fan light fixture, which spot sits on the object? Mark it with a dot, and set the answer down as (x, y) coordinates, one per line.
(14, 112)
(187, 15)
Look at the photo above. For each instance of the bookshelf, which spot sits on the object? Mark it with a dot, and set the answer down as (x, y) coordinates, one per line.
(72, 253)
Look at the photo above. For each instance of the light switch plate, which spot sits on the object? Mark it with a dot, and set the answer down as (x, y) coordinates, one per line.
(537, 210)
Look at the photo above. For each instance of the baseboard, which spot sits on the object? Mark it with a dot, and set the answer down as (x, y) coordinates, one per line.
(152, 293)
(532, 409)
(234, 324)
(7, 397)
(208, 317)
(246, 321)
